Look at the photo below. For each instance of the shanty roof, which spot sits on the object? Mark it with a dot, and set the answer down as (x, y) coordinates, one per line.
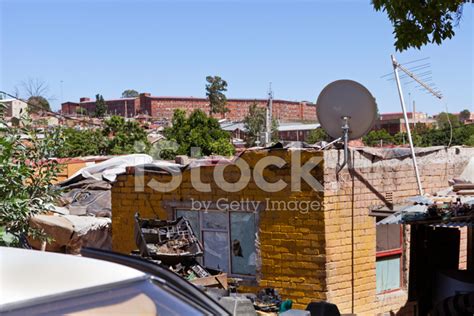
(283, 127)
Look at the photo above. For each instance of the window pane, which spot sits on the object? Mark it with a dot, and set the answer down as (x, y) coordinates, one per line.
(216, 250)
(388, 237)
(214, 220)
(242, 228)
(193, 218)
(388, 273)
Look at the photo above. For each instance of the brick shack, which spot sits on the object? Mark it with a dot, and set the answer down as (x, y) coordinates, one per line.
(312, 243)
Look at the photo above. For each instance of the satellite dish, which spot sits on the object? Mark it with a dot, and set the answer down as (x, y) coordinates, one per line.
(346, 104)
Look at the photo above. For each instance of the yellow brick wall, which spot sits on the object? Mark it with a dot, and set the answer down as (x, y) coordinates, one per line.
(351, 233)
(324, 255)
(292, 243)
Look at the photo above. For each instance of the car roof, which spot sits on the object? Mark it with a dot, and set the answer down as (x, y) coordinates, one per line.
(29, 274)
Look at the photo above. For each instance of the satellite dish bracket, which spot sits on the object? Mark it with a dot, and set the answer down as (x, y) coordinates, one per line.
(345, 137)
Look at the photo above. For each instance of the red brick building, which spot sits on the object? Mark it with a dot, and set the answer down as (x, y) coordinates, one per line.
(163, 107)
(395, 123)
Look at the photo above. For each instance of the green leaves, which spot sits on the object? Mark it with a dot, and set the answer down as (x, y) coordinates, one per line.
(27, 171)
(100, 106)
(215, 93)
(417, 23)
(118, 137)
(198, 130)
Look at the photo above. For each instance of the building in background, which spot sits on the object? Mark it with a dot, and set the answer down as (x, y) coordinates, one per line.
(164, 107)
(15, 108)
(395, 123)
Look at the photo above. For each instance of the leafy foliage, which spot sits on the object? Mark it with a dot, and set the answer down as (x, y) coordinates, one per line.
(198, 130)
(118, 137)
(255, 122)
(130, 93)
(38, 103)
(26, 175)
(80, 143)
(424, 137)
(100, 106)
(318, 135)
(124, 137)
(445, 120)
(375, 138)
(464, 115)
(215, 93)
(417, 23)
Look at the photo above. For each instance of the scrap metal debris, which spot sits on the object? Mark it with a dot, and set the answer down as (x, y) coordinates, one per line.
(174, 244)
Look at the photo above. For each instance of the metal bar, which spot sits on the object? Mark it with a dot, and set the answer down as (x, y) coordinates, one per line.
(407, 125)
(427, 87)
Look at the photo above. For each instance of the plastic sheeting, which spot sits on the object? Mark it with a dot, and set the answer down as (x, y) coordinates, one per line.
(397, 153)
(109, 169)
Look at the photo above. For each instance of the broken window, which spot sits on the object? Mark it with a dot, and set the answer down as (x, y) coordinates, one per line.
(388, 257)
(228, 239)
(243, 243)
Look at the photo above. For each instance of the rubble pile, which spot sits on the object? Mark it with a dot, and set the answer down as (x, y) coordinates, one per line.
(173, 243)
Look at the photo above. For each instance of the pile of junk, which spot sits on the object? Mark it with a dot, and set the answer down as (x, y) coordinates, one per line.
(82, 215)
(173, 244)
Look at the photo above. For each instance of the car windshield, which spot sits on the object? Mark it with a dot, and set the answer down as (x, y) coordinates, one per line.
(143, 296)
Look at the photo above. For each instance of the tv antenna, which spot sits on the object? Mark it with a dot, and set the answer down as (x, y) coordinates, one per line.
(424, 86)
(346, 110)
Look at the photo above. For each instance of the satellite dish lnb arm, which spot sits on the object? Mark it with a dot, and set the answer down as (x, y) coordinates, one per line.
(345, 130)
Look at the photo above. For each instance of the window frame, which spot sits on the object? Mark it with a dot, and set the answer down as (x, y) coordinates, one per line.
(176, 209)
(391, 253)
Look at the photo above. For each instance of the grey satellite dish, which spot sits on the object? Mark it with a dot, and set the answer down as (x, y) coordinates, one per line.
(346, 110)
(346, 99)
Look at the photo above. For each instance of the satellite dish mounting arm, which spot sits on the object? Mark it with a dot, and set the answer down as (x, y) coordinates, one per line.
(345, 137)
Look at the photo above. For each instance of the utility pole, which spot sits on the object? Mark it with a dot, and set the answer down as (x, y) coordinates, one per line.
(268, 132)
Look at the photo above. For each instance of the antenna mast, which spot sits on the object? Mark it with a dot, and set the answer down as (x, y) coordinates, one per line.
(268, 132)
(397, 66)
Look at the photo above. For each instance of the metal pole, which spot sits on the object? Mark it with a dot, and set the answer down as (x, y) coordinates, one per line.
(407, 124)
(268, 136)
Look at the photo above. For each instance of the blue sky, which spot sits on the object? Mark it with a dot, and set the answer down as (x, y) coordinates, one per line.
(167, 48)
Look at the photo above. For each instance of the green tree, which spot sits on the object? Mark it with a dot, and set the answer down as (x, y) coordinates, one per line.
(215, 89)
(100, 106)
(318, 135)
(81, 111)
(130, 93)
(417, 23)
(124, 137)
(464, 115)
(37, 104)
(375, 138)
(446, 120)
(80, 143)
(26, 175)
(198, 131)
(254, 123)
